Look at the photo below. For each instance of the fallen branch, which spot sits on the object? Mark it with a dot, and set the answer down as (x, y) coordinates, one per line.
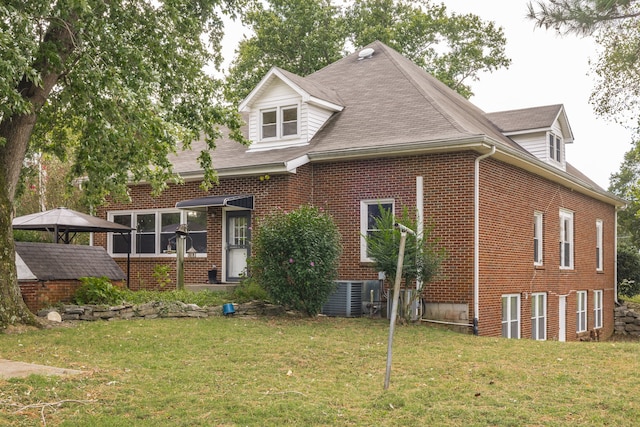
(45, 405)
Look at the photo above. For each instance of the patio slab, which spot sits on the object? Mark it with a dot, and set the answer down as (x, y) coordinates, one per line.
(11, 369)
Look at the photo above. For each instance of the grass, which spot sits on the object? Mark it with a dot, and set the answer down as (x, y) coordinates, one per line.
(312, 372)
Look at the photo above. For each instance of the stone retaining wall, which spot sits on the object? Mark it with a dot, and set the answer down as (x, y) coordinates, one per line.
(627, 321)
(153, 310)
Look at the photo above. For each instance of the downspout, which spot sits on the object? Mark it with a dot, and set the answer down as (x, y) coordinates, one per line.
(419, 232)
(615, 257)
(476, 239)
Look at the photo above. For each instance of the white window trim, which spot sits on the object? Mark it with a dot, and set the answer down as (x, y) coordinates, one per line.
(597, 309)
(599, 252)
(537, 234)
(134, 213)
(566, 215)
(279, 122)
(534, 316)
(364, 223)
(509, 320)
(581, 311)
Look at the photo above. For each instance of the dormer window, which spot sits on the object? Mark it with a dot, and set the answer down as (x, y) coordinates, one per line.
(555, 147)
(280, 122)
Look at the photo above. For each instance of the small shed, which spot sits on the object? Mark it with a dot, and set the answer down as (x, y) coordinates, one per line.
(49, 273)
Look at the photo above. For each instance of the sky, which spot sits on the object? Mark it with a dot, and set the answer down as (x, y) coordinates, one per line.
(545, 69)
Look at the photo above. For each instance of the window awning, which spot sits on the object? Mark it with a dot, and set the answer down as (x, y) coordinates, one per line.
(202, 203)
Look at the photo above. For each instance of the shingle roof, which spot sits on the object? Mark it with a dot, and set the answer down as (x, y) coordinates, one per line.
(50, 261)
(389, 104)
(526, 118)
(312, 88)
(389, 101)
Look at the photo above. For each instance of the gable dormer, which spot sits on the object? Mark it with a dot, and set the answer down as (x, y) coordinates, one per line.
(543, 131)
(284, 110)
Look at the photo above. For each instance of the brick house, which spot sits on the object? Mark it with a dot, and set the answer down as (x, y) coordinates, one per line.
(519, 224)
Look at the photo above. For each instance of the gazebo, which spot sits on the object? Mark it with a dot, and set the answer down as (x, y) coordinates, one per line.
(65, 223)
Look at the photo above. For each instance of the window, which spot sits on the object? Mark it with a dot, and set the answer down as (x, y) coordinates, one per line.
(597, 309)
(370, 210)
(155, 232)
(511, 316)
(555, 147)
(289, 121)
(566, 239)
(537, 238)
(279, 122)
(269, 125)
(581, 311)
(120, 243)
(599, 245)
(539, 316)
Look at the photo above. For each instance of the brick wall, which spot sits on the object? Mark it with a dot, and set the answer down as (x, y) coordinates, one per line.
(283, 191)
(509, 196)
(38, 295)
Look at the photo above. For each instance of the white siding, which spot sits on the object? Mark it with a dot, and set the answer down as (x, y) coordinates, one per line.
(278, 94)
(537, 143)
(317, 117)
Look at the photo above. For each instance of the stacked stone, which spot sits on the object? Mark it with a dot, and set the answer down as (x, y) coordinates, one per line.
(153, 310)
(627, 321)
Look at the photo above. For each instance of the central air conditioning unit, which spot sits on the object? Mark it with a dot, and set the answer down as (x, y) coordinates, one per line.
(354, 298)
(345, 301)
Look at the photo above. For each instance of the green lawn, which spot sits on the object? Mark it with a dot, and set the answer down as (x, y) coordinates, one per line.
(312, 372)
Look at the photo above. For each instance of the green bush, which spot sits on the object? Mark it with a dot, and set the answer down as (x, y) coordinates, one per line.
(296, 257)
(204, 298)
(628, 270)
(422, 257)
(250, 290)
(98, 290)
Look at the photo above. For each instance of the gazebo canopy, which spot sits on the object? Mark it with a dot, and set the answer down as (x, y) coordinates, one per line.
(63, 221)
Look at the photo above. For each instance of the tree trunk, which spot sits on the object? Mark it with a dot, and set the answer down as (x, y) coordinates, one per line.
(15, 133)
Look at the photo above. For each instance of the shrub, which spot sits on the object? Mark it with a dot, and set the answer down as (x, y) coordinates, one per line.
(628, 270)
(296, 257)
(422, 258)
(250, 290)
(98, 290)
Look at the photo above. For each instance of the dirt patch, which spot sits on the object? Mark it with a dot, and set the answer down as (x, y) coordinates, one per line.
(42, 324)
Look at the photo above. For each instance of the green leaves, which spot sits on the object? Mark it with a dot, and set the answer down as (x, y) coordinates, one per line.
(300, 36)
(296, 257)
(133, 89)
(305, 36)
(422, 257)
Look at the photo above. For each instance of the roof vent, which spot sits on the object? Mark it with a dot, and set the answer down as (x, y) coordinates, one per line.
(365, 53)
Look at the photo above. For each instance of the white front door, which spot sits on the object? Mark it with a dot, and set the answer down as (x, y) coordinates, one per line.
(237, 245)
(562, 318)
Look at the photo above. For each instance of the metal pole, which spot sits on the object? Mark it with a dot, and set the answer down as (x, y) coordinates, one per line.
(394, 306)
(180, 244)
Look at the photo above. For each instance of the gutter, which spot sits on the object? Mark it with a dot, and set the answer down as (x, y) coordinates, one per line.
(615, 257)
(476, 238)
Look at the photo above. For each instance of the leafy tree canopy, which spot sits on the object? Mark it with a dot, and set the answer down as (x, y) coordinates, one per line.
(615, 24)
(624, 184)
(582, 17)
(307, 35)
(125, 78)
(300, 36)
